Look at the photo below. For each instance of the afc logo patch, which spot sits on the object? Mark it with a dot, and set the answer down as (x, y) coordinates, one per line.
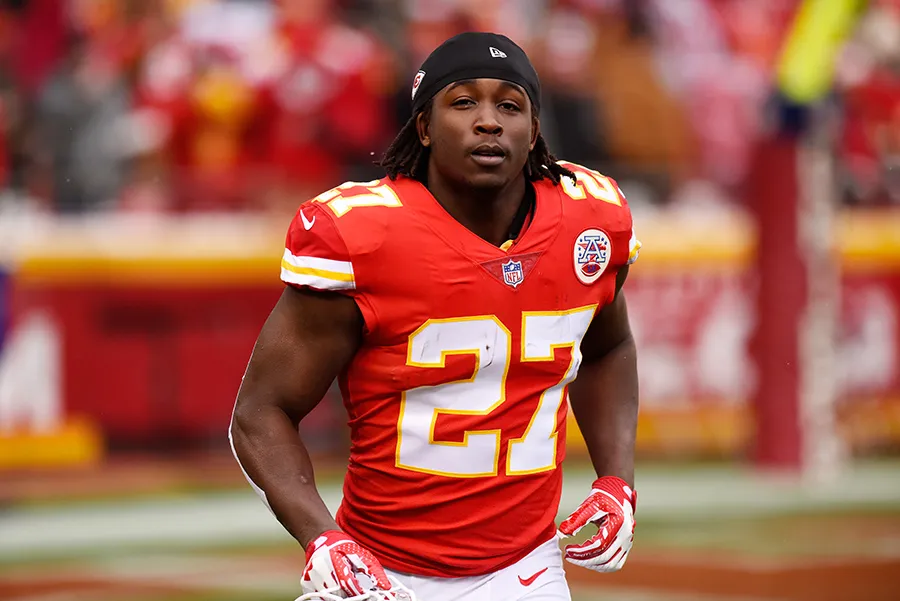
(512, 273)
(591, 255)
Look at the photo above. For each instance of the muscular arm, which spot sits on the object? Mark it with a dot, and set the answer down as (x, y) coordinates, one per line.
(307, 340)
(604, 396)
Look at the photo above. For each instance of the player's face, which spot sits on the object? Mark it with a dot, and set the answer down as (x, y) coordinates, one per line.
(480, 132)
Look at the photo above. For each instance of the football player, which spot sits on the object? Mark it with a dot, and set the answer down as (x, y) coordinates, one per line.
(463, 302)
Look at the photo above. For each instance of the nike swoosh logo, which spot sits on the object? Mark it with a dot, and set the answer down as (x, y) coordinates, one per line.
(306, 222)
(528, 581)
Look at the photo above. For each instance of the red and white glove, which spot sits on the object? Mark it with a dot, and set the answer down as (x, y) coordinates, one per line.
(339, 566)
(610, 507)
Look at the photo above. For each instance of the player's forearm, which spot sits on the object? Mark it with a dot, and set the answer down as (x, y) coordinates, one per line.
(604, 399)
(275, 459)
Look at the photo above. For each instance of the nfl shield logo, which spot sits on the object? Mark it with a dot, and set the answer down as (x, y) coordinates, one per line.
(512, 273)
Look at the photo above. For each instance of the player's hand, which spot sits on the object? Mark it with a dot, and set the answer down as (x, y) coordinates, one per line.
(338, 565)
(610, 507)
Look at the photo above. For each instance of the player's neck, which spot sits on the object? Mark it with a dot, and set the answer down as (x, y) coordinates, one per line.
(487, 213)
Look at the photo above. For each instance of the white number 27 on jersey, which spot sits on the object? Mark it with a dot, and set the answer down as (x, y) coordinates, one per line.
(543, 333)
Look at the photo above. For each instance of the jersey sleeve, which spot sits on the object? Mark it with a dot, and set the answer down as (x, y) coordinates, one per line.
(634, 247)
(609, 206)
(315, 255)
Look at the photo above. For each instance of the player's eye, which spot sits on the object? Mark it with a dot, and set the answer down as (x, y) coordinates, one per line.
(510, 106)
(463, 102)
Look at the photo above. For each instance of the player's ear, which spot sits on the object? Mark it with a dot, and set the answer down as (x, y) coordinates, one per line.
(535, 132)
(422, 129)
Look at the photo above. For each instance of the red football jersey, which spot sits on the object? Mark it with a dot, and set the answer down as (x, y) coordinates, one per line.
(457, 397)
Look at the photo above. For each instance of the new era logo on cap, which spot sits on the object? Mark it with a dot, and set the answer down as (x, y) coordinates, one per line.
(497, 53)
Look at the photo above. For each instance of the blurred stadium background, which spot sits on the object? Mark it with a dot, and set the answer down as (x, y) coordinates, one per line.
(152, 152)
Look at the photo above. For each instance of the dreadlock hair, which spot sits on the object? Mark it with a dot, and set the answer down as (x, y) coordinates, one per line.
(407, 156)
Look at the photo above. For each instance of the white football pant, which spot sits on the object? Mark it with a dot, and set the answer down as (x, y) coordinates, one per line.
(539, 576)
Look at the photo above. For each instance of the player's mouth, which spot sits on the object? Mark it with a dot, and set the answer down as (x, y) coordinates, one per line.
(488, 155)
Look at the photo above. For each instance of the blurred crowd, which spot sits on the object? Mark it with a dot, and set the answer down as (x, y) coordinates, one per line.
(237, 105)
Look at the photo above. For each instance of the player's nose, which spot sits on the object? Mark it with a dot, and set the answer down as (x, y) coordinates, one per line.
(487, 121)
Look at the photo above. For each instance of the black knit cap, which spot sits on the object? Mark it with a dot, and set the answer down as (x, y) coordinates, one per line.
(474, 55)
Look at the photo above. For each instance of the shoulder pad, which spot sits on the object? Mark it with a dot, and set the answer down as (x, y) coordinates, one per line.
(607, 199)
(351, 195)
(591, 185)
